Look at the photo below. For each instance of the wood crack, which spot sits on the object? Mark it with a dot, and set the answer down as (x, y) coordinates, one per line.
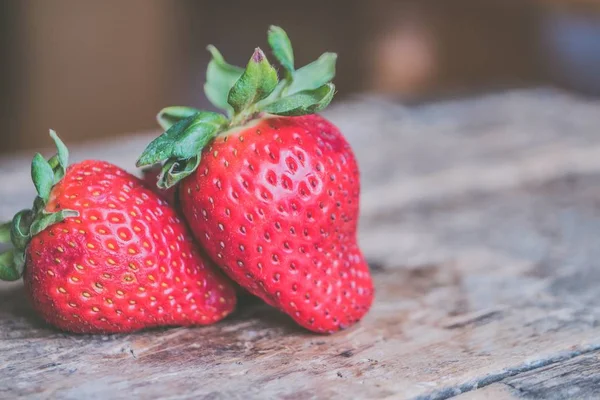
(482, 382)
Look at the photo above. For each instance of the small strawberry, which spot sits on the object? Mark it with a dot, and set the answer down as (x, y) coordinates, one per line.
(99, 253)
(272, 194)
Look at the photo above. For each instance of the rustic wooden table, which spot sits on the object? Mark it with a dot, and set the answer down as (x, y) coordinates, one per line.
(481, 221)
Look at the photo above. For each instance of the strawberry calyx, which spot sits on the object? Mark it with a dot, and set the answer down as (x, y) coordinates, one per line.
(244, 94)
(29, 222)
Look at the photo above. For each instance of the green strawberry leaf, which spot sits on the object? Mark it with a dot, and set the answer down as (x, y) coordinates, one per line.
(47, 219)
(10, 268)
(175, 170)
(20, 229)
(314, 75)
(201, 130)
(275, 94)
(42, 176)
(168, 116)
(220, 77)
(256, 83)
(302, 103)
(5, 232)
(282, 49)
(185, 139)
(62, 157)
(161, 148)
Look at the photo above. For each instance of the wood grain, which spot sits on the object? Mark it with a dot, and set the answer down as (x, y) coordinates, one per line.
(574, 378)
(480, 219)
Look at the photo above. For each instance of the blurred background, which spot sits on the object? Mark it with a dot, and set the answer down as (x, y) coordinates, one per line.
(97, 69)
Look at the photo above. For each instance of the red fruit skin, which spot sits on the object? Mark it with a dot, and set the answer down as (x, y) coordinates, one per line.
(276, 205)
(150, 178)
(126, 263)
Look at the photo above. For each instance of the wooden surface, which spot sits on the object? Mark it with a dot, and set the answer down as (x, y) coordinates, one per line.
(481, 221)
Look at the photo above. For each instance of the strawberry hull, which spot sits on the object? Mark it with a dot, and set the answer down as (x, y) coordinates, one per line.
(275, 205)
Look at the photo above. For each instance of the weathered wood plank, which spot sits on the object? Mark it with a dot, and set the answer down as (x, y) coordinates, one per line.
(572, 378)
(577, 378)
(495, 391)
(480, 218)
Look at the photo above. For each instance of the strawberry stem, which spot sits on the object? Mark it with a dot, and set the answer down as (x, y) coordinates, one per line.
(245, 116)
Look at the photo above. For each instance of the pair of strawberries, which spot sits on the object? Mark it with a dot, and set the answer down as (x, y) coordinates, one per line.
(269, 191)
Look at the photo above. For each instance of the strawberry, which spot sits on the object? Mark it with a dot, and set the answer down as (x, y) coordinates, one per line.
(100, 253)
(272, 193)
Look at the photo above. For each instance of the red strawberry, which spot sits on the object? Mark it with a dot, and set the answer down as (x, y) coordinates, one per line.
(274, 201)
(103, 253)
(276, 207)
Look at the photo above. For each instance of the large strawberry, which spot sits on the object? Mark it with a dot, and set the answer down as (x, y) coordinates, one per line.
(271, 193)
(100, 252)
